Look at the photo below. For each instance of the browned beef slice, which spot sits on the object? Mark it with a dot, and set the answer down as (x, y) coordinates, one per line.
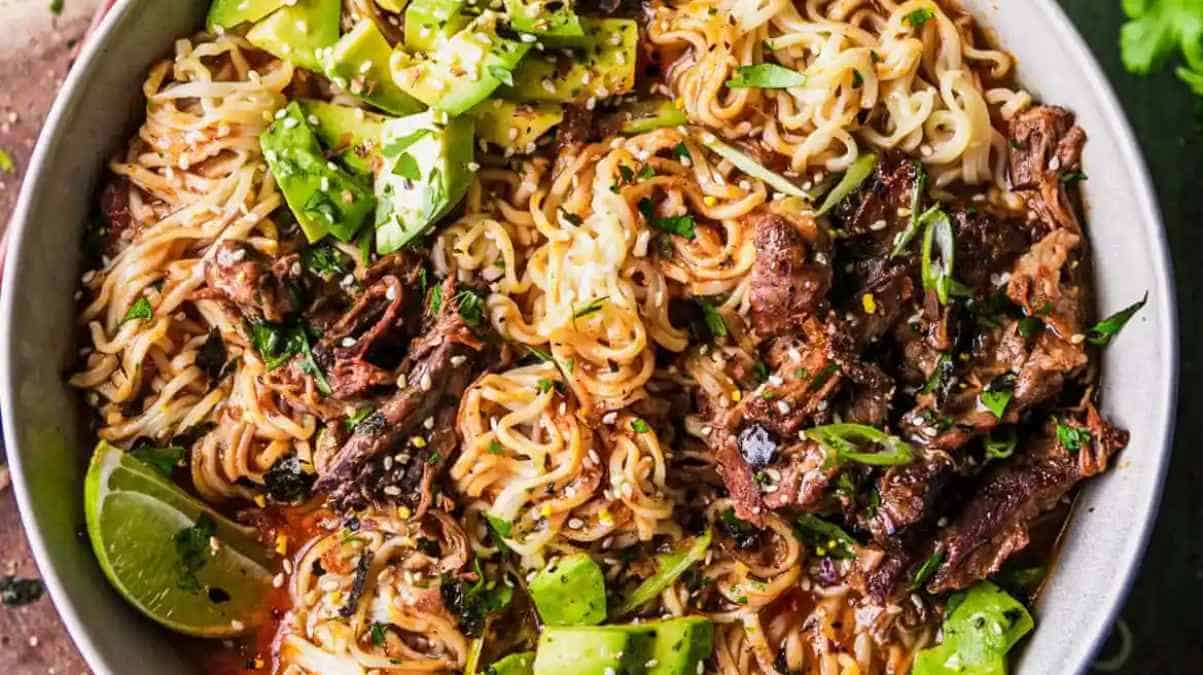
(259, 289)
(986, 245)
(805, 476)
(786, 284)
(908, 494)
(737, 477)
(870, 392)
(892, 291)
(1046, 145)
(994, 523)
(882, 211)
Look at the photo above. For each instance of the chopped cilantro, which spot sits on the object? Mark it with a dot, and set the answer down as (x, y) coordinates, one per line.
(640, 426)
(1102, 332)
(141, 309)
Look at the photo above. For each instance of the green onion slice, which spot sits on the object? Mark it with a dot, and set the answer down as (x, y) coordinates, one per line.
(856, 174)
(753, 168)
(937, 237)
(847, 441)
(904, 239)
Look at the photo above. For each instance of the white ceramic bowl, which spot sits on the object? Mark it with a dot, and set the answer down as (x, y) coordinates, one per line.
(101, 105)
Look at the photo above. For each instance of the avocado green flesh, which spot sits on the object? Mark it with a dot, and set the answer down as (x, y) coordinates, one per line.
(465, 70)
(515, 125)
(521, 663)
(358, 63)
(296, 32)
(352, 132)
(324, 198)
(427, 22)
(571, 592)
(600, 69)
(552, 21)
(594, 650)
(980, 626)
(436, 156)
(681, 644)
(231, 13)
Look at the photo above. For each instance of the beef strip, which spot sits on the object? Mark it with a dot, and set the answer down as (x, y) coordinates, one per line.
(1045, 146)
(987, 244)
(437, 368)
(787, 283)
(260, 289)
(994, 523)
(376, 317)
(882, 209)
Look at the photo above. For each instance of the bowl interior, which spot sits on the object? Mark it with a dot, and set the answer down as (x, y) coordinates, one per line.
(101, 104)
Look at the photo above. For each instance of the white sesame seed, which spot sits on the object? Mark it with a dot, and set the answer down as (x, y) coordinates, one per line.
(348, 341)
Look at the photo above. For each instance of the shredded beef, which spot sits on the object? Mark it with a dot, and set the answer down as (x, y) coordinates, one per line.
(260, 289)
(787, 283)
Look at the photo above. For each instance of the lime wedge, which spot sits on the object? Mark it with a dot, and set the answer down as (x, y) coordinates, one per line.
(178, 561)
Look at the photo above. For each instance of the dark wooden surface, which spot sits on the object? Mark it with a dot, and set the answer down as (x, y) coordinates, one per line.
(1165, 609)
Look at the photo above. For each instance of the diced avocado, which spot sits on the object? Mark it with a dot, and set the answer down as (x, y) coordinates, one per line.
(324, 198)
(230, 13)
(681, 644)
(428, 22)
(515, 125)
(594, 650)
(358, 63)
(980, 626)
(424, 175)
(553, 21)
(296, 32)
(644, 115)
(464, 70)
(605, 66)
(570, 592)
(354, 133)
(521, 663)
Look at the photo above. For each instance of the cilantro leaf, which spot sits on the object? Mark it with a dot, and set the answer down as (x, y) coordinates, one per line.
(998, 394)
(1072, 438)
(1101, 333)
(714, 319)
(919, 17)
(766, 76)
(1157, 31)
(164, 460)
(639, 426)
(141, 309)
(682, 226)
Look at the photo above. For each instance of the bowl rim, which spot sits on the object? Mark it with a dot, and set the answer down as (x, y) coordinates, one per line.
(1118, 126)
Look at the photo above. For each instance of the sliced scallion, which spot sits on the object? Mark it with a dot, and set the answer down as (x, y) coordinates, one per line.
(847, 441)
(753, 168)
(856, 174)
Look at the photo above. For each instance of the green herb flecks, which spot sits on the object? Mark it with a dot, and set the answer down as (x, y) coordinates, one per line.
(1000, 444)
(639, 426)
(919, 17)
(141, 309)
(471, 305)
(998, 394)
(857, 173)
(766, 76)
(1102, 332)
(904, 239)
(193, 551)
(828, 539)
(924, 571)
(360, 414)
(1073, 438)
(714, 319)
(164, 460)
(682, 226)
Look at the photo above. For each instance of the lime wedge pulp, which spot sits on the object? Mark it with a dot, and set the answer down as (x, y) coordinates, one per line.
(175, 559)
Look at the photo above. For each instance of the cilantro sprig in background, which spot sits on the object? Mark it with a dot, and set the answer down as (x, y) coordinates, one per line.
(1160, 32)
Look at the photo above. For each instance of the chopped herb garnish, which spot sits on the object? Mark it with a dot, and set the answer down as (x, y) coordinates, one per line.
(627, 173)
(714, 320)
(1030, 326)
(494, 447)
(680, 151)
(358, 416)
(925, 571)
(593, 306)
(646, 172)
(766, 76)
(760, 370)
(277, 344)
(164, 460)
(856, 174)
(640, 426)
(742, 532)
(434, 457)
(436, 299)
(912, 230)
(1073, 438)
(377, 631)
(1103, 331)
(544, 385)
(682, 226)
(919, 17)
(141, 309)
(998, 394)
(192, 549)
(828, 539)
(1071, 177)
(471, 307)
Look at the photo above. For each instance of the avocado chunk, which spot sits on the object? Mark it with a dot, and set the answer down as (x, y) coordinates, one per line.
(424, 175)
(464, 70)
(605, 66)
(980, 626)
(231, 13)
(358, 63)
(521, 663)
(324, 198)
(570, 592)
(553, 22)
(429, 22)
(352, 133)
(594, 650)
(296, 32)
(515, 126)
(681, 644)
(644, 115)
